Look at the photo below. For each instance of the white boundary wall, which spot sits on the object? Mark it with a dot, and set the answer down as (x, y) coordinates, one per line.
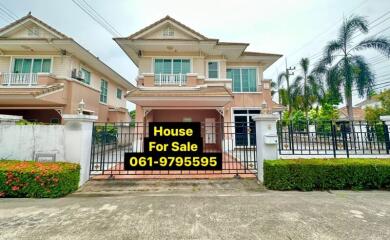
(70, 142)
(23, 142)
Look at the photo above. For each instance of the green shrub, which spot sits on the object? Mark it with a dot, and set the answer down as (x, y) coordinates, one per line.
(36, 179)
(322, 174)
(106, 134)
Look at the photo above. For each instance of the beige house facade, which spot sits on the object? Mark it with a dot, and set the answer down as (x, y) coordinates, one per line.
(186, 76)
(45, 74)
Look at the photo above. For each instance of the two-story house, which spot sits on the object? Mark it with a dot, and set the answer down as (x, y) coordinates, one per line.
(186, 76)
(45, 74)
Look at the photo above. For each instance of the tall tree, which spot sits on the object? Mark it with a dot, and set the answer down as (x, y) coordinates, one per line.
(305, 91)
(346, 69)
(285, 76)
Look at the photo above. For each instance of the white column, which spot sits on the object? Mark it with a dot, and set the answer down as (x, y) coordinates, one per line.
(386, 119)
(266, 141)
(9, 119)
(77, 142)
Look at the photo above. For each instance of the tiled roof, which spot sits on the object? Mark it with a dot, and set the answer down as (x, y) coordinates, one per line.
(358, 113)
(211, 91)
(34, 91)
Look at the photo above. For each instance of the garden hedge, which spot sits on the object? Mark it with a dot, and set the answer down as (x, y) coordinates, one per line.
(325, 174)
(36, 179)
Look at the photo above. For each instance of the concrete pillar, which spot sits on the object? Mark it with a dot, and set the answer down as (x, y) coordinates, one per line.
(386, 119)
(9, 119)
(266, 141)
(77, 142)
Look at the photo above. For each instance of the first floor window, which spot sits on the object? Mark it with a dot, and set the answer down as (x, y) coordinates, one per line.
(32, 65)
(244, 79)
(86, 76)
(119, 93)
(103, 91)
(213, 69)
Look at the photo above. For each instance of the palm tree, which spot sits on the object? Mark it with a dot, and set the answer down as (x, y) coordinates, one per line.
(344, 68)
(285, 76)
(305, 91)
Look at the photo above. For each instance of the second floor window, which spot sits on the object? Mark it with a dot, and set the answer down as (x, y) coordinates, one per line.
(103, 91)
(171, 66)
(213, 69)
(244, 79)
(86, 76)
(32, 65)
(119, 93)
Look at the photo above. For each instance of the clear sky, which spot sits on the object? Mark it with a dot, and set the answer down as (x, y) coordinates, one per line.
(296, 28)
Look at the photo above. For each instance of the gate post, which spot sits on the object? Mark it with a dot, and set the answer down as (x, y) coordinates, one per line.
(386, 124)
(77, 142)
(266, 141)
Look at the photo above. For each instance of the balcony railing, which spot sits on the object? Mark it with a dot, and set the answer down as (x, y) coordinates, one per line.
(170, 79)
(13, 79)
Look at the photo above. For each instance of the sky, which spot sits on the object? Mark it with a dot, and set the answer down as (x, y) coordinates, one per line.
(294, 28)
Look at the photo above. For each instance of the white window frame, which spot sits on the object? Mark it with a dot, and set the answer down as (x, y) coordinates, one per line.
(83, 67)
(241, 67)
(117, 93)
(241, 114)
(219, 69)
(14, 57)
(168, 31)
(172, 58)
(101, 92)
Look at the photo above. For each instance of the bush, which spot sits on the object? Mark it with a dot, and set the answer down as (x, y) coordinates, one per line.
(106, 134)
(322, 174)
(36, 179)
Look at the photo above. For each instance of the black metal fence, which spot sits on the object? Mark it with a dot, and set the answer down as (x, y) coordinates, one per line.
(333, 138)
(236, 141)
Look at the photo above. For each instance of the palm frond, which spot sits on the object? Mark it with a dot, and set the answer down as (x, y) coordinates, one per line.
(305, 65)
(281, 77)
(381, 44)
(351, 26)
(364, 78)
(329, 50)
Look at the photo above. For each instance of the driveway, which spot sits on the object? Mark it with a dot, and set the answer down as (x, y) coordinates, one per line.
(218, 209)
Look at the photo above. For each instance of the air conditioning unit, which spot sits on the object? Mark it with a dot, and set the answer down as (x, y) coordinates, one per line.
(77, 74)
(80, 75)
(74, 73)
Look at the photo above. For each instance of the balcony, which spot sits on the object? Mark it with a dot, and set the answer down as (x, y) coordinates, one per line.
(178, 79)
(19, 79)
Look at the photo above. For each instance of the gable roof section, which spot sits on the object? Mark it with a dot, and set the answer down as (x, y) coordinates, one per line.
(66, 43)
(162, 21)
(27, 18)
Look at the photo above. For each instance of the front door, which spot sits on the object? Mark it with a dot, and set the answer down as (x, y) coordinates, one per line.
(245, 127)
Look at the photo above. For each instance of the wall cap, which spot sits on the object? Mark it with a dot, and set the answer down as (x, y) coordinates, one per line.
(385, 118)
(79, 117)
(5, 117)
(266, 117)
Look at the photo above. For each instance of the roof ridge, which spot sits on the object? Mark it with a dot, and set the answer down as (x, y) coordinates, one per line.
(29, 16)
(167, 17)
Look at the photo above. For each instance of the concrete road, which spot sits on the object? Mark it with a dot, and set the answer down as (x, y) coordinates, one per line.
(234, 209)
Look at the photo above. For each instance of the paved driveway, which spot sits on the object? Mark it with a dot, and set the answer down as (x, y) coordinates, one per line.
(235, 209)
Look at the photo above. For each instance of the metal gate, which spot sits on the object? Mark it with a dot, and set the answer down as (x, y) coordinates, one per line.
(235, 140)
(342, 138)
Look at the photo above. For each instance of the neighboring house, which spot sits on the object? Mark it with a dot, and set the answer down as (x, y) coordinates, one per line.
(45, 74)
(371, 102)
(358, 114)
(186, 76)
